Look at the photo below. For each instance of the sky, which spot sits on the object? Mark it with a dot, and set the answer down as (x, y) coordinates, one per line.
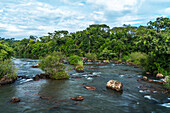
(21, 18)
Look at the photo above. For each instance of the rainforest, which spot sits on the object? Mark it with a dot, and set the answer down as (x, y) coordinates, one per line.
(147, 48)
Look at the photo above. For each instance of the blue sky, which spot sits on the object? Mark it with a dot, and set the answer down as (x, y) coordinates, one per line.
(22, 18)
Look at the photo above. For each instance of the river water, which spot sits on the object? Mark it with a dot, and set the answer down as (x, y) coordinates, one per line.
(102, 100)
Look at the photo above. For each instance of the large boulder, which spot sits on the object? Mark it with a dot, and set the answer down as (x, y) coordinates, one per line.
(113, 84)
(159, 75)
(15, 100)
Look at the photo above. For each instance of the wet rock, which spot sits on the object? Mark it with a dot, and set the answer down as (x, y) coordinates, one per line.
(106, 61)
(76, 77)
(36, 66)
(36, 78)
(45, 97)
(139, 79)
(15, 100)
(148, 73)
(112, 84)
(92, 88)
(159, 75)
(150, 80)
(55, 107)
(145, 78)
(6, 80)
(78, 98)
(101, 64)
(80, 70)
(94, 75)
(44, 76)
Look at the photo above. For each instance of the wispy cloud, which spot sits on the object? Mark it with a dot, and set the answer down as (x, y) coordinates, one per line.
(22, 18)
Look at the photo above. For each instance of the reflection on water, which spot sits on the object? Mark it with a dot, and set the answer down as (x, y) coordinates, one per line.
(55, 94)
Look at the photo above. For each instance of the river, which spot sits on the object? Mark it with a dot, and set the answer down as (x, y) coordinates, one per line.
(102, 100)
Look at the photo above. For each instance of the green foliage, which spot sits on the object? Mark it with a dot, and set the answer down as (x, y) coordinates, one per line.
(138, 57)
(7, 68)
(52, 65)
(91, 56)
(106, 43)
(126, 58)
(74, 59)
(80, 65)
(167, 84)
(5, 51)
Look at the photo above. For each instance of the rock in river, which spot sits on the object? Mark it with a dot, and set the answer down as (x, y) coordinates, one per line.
(159, 75)
(113, 84)
(78, 98)
(36, 66)
(90, 88)
(7, 80)
(15, 100)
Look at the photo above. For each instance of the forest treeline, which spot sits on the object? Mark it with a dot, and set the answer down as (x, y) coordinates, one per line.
(148, 45)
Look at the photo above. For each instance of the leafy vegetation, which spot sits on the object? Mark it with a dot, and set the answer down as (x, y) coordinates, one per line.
(7, 68)
(149, 42)
(52, 65)
(91, 56)
(74, 60)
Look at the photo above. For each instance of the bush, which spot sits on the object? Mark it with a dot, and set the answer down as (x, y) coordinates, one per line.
(74, 59)
(138, 57)
(126, 58)
(7, 68)
(52, 65)
(167, 84)
(91, 56)
(80, 65)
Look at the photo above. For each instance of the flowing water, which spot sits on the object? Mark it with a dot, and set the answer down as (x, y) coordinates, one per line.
(102, 100)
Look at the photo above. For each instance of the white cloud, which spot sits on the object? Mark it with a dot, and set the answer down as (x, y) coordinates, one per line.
(167, 10)
(116, 5)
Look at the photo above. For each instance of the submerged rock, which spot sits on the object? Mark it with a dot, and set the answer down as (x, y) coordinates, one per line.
(15, 100)
(159, 75)
(92, 88)
(78, 98)
(36, 66)
(112, 84)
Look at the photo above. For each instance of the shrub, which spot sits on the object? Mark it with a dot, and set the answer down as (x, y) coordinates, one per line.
(74, 59)
(91, 56)
(167, 84)
(52, 65)
(138, 57)
(7, 68)
(80, 65)
(126, 58)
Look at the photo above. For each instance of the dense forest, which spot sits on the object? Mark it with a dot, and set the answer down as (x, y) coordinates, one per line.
(147, 46)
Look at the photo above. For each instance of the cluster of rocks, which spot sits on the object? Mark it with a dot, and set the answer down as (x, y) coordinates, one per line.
(41, 76)
(159, 75)
(7, 80)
